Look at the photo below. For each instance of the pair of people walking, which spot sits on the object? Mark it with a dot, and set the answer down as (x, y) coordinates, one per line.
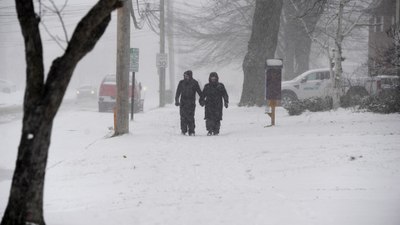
(214, 96)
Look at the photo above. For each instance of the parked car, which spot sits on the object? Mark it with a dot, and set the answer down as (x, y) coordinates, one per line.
(7, 86)
(388, 82)
(86, 91)
(318, 83)
(309, 84)
(108, 93)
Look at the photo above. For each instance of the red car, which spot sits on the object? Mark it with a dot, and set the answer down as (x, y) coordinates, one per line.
(108, 93)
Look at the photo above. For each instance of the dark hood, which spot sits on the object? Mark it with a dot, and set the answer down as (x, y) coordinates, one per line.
(189, 73)
(213, 74)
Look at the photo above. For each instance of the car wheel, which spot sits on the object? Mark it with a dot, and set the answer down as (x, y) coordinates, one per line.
(287, 99)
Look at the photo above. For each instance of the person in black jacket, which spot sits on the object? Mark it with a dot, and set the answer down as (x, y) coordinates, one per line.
(186, 91)
(213, 93)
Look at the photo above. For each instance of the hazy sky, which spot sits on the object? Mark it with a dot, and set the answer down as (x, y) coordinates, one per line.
(99, 62)
(102, 60)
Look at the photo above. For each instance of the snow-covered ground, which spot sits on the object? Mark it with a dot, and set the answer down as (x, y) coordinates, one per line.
(327, 168)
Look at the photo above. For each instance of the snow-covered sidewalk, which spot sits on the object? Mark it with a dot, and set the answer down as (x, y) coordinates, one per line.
(324, 168)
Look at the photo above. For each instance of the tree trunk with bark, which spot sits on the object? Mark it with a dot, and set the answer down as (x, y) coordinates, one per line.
(297, 42)
(338, 57)
(41, 103)
(262, 45)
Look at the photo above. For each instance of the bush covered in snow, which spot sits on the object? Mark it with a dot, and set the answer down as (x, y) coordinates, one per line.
(386, 102)
(295, 108)
(348, 100)
(311, 104)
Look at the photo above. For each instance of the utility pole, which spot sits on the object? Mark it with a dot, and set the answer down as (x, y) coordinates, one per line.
(397, 11)
(162, 52)
(171, 51)
(123, 47)
(397, 41)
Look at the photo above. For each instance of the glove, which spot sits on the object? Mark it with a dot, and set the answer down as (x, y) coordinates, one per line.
(226, 105)
(177, 103)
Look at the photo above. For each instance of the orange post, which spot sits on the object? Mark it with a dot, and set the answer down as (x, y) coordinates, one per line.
(115, 118)
(272, 104)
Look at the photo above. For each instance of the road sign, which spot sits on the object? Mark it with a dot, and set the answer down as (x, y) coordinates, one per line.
(162, 60)
(134, 60)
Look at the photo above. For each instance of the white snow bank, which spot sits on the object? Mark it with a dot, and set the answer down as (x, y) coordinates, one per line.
(323, 168)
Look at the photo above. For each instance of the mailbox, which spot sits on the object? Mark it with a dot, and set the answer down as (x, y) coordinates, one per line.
(273, 79)
(273, 86)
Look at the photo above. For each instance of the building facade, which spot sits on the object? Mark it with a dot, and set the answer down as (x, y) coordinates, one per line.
(383, 50)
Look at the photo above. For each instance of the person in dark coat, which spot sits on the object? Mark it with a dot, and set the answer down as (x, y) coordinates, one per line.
(185, 98)
(213, 94)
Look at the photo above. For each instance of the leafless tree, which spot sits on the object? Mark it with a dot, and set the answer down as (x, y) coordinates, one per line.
(43, 96)
(294, 42)
(340, 20)
(261, 46)
(217, 33)
(48, 8)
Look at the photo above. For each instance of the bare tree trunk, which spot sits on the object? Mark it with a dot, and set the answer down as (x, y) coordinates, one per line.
(262, 45)
(338, 57)
(286, 38)
(302, 53)
(41, 103)
(297, 40)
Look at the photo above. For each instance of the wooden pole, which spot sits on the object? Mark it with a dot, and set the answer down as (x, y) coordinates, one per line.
(133, 95)
(272, 104)
(123, 42)
(162, 51)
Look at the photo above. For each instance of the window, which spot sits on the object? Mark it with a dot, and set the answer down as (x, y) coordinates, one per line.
(372, 21)
(312, 76)
(327, 75)
(378, 24)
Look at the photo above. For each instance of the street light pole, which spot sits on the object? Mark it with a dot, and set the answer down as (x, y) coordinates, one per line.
(162, 52)
(171, 51)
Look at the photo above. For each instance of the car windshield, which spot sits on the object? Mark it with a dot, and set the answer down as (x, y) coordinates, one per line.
(112, 79)
(314, 75)
(87, 87)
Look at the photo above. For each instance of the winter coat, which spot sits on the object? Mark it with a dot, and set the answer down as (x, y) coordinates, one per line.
(186, 93)
(213, 93)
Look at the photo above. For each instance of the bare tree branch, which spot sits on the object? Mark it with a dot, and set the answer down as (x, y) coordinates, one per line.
(58, 13)
(55, 38)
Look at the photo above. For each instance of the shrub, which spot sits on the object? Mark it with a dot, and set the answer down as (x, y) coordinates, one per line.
(311, 104)
(387, 101)
(296, 108)
(353, 97)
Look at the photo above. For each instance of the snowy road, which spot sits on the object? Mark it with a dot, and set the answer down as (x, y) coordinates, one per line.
(324, 168)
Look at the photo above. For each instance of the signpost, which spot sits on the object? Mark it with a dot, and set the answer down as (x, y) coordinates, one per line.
(134, 60)
(133, 67)
(273, 85)
(162, 60)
